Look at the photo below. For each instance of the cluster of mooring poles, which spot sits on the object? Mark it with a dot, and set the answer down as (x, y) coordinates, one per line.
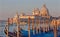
(44, 28)
(18, 26)
(33, 27)
(37, 28)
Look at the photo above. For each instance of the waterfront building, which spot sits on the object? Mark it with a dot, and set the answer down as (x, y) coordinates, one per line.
(42, 14)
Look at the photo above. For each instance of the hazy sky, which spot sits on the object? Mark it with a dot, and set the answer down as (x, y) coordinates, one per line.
(8, 8)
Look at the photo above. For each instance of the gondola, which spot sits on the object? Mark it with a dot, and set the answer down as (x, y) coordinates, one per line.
(24, 33)
(12, 34)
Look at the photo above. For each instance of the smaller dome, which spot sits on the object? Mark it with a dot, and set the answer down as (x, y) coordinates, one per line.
(36, 11)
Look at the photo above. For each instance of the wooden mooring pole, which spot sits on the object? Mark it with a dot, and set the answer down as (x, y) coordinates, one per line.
(43, 26)
(33, 28)
(17, 22)
(55, 28)
(17, 30)
(37, 27)
(7, 27)
(29, 27)
(55, 31)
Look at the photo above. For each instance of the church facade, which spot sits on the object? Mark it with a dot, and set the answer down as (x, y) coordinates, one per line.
(42, 13)
(36, 12)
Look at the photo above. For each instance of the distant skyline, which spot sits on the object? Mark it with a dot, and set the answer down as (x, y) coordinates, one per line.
(8, 8)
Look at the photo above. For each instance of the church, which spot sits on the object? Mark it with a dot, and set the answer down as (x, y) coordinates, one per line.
(42, 14)
(36, 12)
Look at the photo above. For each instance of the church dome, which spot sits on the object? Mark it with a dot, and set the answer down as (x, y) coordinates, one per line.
(36, 11)
(44, 11)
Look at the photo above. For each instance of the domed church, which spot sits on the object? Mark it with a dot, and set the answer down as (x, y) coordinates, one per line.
(44, 11)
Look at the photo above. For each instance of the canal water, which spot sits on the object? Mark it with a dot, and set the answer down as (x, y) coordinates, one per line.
(12, 28)
(2, 26)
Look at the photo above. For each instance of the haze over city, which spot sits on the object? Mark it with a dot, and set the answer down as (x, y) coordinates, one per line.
(8, 8)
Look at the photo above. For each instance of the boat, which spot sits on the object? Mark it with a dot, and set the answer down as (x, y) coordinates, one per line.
(24, 33)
